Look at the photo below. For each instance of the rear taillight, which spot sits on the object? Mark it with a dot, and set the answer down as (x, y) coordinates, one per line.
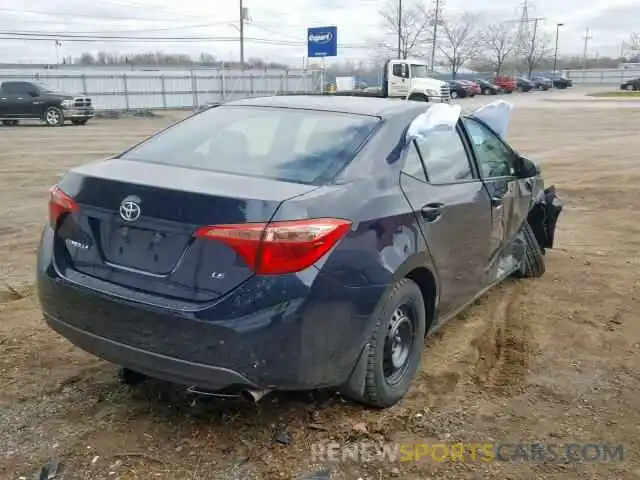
(59, 204)
(279, 247)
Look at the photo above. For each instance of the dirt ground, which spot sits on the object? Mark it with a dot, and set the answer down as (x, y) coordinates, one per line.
(554, 360)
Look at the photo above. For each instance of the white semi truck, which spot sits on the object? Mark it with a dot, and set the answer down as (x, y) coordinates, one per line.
(408, 79)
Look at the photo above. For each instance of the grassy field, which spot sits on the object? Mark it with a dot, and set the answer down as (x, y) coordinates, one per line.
(616, 94)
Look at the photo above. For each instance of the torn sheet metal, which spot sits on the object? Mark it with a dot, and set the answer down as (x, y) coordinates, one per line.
(439, 116)
(496, 115)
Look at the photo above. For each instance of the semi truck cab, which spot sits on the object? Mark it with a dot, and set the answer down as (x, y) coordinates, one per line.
(409, 78)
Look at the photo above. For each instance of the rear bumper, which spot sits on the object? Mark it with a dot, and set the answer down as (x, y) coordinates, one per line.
(293, 332)
(152, 364)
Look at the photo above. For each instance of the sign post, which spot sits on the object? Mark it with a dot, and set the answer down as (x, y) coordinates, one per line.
(322, 42)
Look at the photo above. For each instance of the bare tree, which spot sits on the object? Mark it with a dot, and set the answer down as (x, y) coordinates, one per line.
(412, 25)
(499, 43)
(534, 47)
(459, 42)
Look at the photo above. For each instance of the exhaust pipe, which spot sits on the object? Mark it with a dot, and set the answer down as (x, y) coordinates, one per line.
(254, 396)
(207, 393)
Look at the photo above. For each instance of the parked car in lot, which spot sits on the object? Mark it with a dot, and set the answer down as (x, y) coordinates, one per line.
(34, 101)
(560, 81)
(507, 84)
(633, 84)
(460, 89)
(541, 83)
(524, 85)
(226, 259)
(487, 87)
(475, 88)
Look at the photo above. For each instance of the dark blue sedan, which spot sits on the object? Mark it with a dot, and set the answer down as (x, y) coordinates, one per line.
(287, 243)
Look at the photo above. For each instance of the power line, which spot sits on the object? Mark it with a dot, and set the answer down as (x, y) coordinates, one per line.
(109, 38)
(97, 17)
(132, 31)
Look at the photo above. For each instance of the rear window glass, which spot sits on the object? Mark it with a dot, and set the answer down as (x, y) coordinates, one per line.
(295, 145)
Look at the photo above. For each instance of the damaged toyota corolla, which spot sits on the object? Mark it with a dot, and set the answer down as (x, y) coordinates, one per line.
(291, 243)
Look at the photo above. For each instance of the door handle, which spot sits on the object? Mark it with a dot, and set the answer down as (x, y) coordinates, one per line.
(20, 98)
(431, 211)
(497, 201)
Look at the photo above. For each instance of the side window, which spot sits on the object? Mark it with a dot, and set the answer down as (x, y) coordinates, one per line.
(11, 87)
(494, 158)
(397, 70)
(445, 157)
(413, 164)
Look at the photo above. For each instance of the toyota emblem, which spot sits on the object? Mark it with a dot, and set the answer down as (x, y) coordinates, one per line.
(130, 210)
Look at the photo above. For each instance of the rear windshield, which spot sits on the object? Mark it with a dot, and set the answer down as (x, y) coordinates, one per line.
(295, 145)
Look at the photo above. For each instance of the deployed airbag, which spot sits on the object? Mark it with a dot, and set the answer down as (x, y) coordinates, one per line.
(496, 115)
(439, 116)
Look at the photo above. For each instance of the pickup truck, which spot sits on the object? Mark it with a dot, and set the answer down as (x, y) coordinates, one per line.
(21, 100)
(407, 79)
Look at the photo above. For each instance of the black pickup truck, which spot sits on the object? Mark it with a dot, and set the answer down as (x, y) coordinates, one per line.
(34, 101)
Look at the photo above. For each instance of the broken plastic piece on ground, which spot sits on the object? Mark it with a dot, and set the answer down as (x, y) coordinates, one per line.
(49, 471)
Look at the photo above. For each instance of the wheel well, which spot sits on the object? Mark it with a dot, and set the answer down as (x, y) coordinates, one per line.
(427, 284)
(418, 96)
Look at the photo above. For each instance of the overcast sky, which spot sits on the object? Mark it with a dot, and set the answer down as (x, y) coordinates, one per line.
(358, 21)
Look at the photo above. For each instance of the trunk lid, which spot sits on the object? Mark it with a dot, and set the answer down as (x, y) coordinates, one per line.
(136, 221)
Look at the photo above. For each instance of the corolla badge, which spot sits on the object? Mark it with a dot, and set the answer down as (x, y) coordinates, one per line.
(130, 209)
(320, 38)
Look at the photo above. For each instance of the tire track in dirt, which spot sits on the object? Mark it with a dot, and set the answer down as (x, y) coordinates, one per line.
(504, 348)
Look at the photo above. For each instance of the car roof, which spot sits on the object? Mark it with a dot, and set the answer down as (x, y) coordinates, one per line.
(371, 106)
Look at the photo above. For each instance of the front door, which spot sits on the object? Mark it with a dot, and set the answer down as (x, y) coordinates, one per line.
(454, 212)
(398, 79)
(510, 197)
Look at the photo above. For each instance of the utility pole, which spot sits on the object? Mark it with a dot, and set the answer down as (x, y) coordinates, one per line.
(399, 29)
(532, 52)
(555, 55)
(241, 35)
(436, 19)
(587, 37)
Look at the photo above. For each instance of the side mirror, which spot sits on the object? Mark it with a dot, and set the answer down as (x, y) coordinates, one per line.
(526, 168)
(405, 71)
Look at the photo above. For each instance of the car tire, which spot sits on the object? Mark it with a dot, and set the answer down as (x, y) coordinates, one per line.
(486, 91)
(418, 97)
(454, 94)
(392, 354)
(533, 263)
(80, 122)
(630, 87)
(53, 117)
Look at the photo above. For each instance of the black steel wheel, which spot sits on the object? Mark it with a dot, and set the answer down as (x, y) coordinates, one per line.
(392, 355)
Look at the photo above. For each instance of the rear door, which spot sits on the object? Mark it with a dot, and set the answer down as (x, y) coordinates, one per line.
(510, 196)
(452, 206)
(16, 99)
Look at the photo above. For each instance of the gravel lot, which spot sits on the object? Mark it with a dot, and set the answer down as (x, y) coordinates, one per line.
(555, 359)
